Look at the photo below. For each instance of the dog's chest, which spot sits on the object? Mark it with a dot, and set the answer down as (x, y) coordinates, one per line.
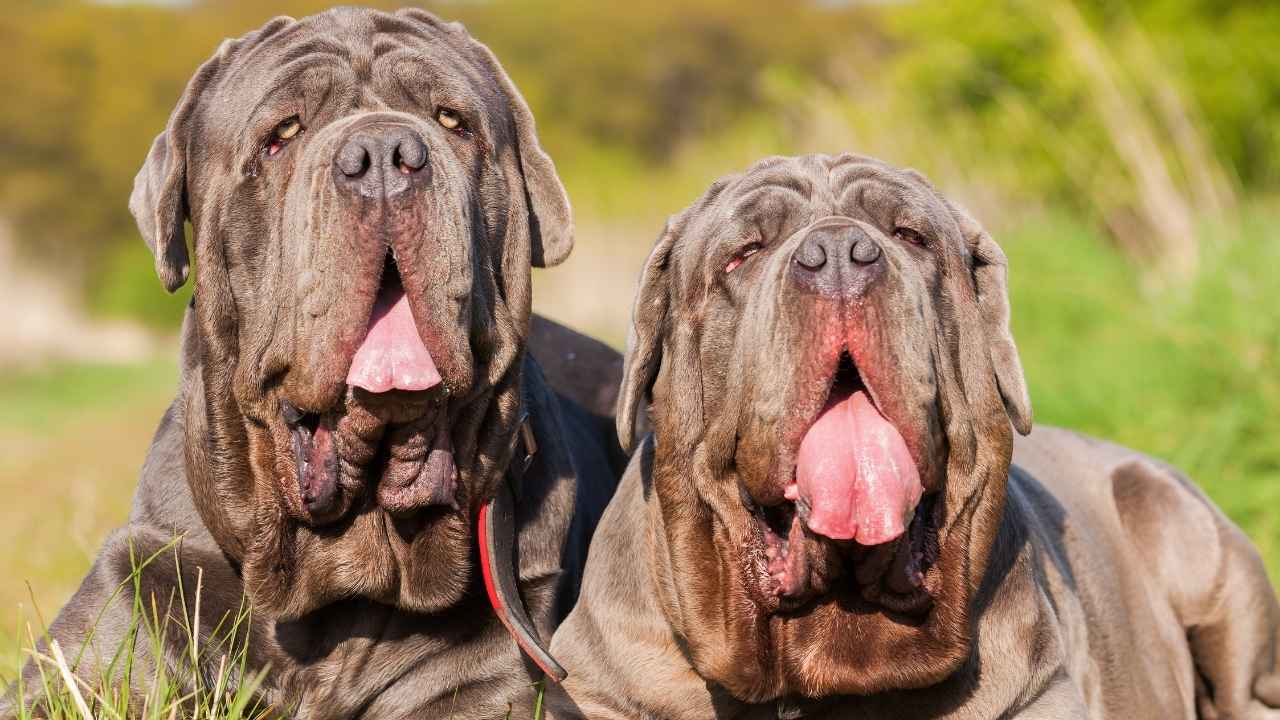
(394, 664)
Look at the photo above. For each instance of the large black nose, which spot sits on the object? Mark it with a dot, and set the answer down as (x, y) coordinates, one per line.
(381, 161)
(837, 258)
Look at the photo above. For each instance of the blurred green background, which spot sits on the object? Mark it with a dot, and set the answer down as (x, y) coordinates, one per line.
(1127, 156)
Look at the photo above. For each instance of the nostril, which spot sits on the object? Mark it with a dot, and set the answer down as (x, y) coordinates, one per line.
(353, 159)
(864, 252)
(811, 256)
(410, 155)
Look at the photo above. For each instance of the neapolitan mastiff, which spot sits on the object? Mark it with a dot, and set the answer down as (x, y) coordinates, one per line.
(834, 518)
(367, 196)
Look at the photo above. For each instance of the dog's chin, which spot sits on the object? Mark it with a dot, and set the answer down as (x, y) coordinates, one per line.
(791, 566)
(392, 449)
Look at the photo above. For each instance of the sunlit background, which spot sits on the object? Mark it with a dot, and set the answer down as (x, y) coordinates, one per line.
(1127, 156)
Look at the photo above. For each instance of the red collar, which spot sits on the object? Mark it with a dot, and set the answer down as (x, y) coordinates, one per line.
(497, 557)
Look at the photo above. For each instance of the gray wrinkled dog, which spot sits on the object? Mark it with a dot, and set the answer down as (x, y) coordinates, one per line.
(834, 519)
(367, 196)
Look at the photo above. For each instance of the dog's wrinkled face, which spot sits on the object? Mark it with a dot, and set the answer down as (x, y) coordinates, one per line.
(367, 195)
(826, 343)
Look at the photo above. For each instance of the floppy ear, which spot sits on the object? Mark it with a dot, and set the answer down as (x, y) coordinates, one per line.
(552, 221)
(159, 205)
(644, 341)
(990, 276)
(159, 198)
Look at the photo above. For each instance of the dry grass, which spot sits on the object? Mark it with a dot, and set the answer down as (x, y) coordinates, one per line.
(64, 687)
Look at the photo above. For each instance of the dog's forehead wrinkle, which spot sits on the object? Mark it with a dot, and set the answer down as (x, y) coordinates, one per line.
(317, 88)
(854, 171)
(785, 181)
(769, 162)
(386, 44)
(363, 45)
(889, 204)
(714, 191)
(311, 49)
(246, 47)
(286, 43)
(835, 162)
(286, 90)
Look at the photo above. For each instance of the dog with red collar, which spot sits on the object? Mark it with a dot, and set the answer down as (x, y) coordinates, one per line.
(363, 446)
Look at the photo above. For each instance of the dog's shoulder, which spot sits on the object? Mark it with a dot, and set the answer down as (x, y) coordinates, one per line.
(618, 575)
(620, 651)
(1144, 496)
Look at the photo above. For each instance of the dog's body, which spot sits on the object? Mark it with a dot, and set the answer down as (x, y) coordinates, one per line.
(1105, 565)
(820, 307)
(367, 196)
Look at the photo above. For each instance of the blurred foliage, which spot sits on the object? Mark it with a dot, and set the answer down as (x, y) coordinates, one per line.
(641, 103)
(1189, 374)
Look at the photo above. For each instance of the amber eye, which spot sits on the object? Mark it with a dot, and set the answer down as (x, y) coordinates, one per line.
(906, 234)
(289, 128)
(742, 255)
(449, 118)
(283, 133)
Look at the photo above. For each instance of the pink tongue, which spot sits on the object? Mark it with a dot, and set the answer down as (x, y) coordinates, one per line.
(392, 355)
(855, 473)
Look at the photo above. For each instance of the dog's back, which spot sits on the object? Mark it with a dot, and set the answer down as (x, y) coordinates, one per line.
(1138, 565)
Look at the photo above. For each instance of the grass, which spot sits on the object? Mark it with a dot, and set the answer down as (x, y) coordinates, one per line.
(1189, 374)
(47, 399)
(181, 687)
